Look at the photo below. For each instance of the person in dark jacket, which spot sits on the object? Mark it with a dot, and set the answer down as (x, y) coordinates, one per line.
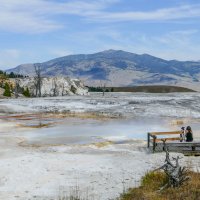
(189, 135)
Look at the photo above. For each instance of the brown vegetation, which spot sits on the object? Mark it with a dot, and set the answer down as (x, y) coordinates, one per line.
(153, 181)
(51, 115)
(103, 144)
(152, 89)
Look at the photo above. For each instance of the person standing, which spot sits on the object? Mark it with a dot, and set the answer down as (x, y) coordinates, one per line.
(189, 134)
(182, 135)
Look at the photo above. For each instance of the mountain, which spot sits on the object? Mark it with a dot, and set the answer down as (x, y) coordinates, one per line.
(119, 68)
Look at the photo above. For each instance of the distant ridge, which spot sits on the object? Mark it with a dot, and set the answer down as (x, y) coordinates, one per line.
(151, 89)
(119, 68)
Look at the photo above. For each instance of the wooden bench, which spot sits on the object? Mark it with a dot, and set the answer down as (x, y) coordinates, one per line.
(173, 143)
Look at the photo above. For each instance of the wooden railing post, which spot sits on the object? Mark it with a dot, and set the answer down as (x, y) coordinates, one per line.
(148, 140)
(152, 138)
(154, 143)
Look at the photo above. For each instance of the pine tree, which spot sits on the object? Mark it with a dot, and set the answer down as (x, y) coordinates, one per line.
(7, 92)
(26, 93)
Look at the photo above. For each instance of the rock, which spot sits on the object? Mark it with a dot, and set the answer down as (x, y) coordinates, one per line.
(1, 92)
(55, 86)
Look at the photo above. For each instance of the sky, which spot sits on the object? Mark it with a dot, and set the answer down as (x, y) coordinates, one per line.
(39, 30)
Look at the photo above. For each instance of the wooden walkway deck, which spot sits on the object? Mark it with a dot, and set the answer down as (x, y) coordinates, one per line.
(155, 143)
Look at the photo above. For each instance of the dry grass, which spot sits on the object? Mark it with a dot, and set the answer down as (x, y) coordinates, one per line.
(103, 144)
(74, 194)
(50, 115)
(177, 122)
(151, 183)
(40, 125)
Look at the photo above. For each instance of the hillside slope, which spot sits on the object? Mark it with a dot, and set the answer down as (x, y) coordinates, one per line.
(120, 68)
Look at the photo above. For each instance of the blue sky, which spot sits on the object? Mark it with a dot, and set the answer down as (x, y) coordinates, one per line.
(40, 30)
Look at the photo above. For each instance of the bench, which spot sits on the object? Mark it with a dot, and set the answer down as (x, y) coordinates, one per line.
(172, 143)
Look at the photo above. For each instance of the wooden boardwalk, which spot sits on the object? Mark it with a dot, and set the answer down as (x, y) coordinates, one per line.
(156, 143)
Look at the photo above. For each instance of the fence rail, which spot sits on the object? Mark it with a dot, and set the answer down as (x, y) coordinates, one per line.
(172, 143)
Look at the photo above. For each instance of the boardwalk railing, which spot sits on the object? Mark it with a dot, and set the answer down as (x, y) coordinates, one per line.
(153, 139)
(173, 143)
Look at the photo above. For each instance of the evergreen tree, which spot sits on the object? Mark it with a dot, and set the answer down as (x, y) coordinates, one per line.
(107, 90)
(7, 92)
(12, 75)
(26, 93)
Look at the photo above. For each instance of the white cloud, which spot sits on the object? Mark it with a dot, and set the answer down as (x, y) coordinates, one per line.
(176, 38)
(174, 13)
(24, 22)
(60, 52)
(172, 45)
(20, 16)
(13, 53)
(9, 57)
(36, 16)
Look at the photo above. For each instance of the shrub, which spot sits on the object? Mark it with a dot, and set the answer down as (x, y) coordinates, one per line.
(7, 92)
(73, 89)
(26, 92)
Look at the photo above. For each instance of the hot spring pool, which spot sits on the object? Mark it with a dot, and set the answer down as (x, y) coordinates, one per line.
(87, 131)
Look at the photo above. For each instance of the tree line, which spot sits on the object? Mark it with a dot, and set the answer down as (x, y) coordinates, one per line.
(9, 88)
(36, 89)
(100, 89)
(11, 75)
